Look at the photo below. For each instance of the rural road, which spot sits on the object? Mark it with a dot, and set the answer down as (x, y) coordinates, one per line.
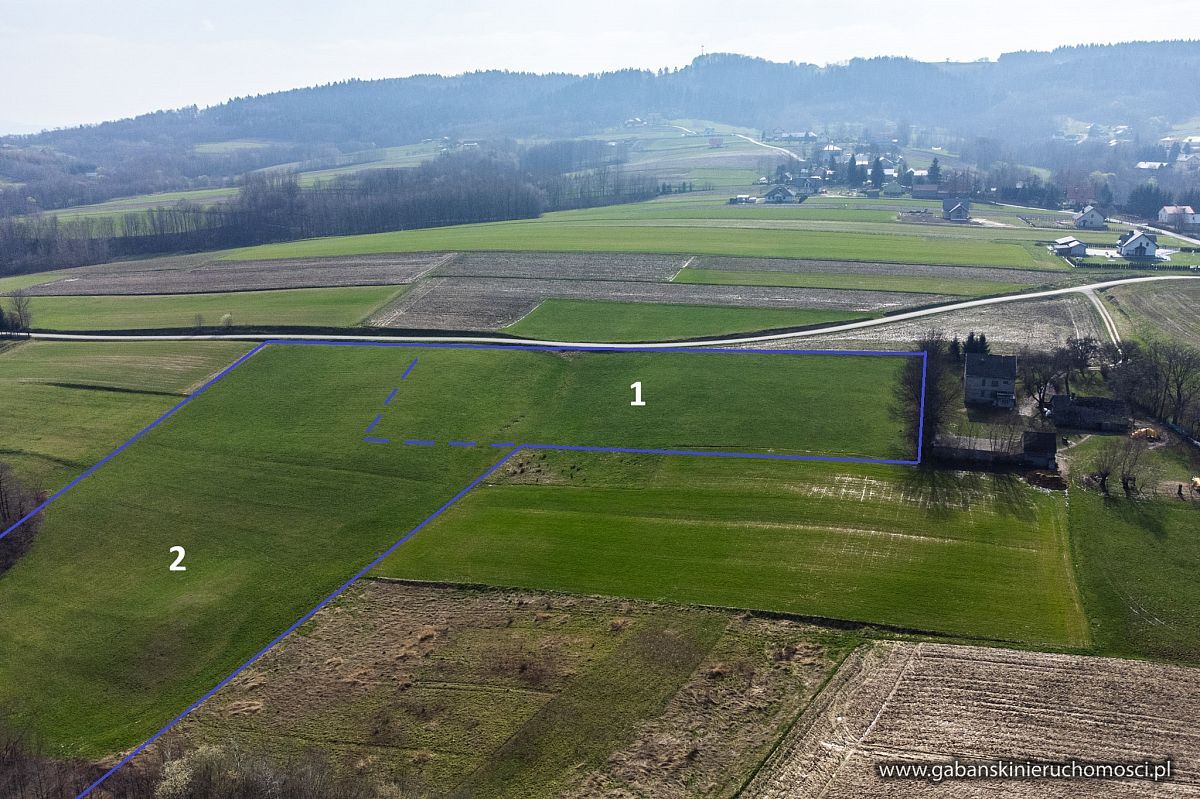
(788, 153)
(1087, 290)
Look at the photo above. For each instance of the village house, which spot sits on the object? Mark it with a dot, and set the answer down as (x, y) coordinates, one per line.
(1137, 244)
(1089, 413)
(1178, 216)
(1090, 219)
(956, 210)
(1069, 247)
(990, 380)
(810, 184)
(782, 194)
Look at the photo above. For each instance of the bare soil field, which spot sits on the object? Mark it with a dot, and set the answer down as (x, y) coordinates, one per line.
(195, 274)
(932, 703)
(1032, 277)
(564, 266)
(425, 688)
(457, 303)
(1009, 326)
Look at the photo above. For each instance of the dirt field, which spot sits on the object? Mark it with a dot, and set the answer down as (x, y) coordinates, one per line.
(1033, 278)
(194, 274)
(425, 688)
(462, 303)
(932, 703)
(564, 266)
(1009, 326)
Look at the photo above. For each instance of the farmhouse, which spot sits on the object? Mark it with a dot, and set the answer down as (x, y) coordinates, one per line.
(808, 185)
(956, 210)
(781, 194)
(1136, 244)
(1090, 219)
(1070, 247)
(1035, 449)
(1178, 216)
(1089, 413)
(990, 380)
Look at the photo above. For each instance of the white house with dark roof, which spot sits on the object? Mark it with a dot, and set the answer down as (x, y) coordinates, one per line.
(956, 210)
(1137, 244)
(1090, 219)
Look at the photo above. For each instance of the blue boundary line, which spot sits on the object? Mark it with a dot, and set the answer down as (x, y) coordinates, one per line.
(507, 456)
(320, 606)
(134, 438)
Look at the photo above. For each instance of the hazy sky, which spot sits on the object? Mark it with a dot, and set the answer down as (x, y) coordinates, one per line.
(64, 62)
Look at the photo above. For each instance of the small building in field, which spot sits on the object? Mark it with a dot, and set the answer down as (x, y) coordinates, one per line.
(1069, 247)
(1089, 413)
(1034, 449)
(926, 191)
(956, 210)
(1090, 219)
(1137, 244)
(781, 194)
(990, 380)
(743, 199)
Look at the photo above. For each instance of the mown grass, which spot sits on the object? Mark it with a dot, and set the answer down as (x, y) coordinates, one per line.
(599, 320)
(66, 404)
(851, 281)
(965, 554)
(324, 307)
(267, 484)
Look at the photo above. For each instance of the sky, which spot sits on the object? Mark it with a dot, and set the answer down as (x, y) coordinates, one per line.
(67, 62)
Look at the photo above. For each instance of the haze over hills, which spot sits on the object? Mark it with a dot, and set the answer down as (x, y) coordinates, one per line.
(1018, 101)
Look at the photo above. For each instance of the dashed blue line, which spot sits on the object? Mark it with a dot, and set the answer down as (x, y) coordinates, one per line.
(409, 369)
(373, 423)
(371, 440)
(391, 397)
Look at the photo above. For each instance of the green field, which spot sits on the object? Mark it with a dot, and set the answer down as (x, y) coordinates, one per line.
(67, 404)
(549, 235)
(327, 307)
(1138, 562)
(267, 484)
(852, 282)
(965, 554)
(599, 320)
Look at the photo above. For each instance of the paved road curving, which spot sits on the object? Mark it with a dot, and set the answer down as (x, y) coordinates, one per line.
(1087, 290)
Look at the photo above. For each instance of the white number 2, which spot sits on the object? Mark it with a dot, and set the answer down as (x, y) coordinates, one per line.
(637, 394)
(175, 567)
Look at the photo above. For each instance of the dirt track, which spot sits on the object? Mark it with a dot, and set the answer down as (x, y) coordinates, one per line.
(932, 703)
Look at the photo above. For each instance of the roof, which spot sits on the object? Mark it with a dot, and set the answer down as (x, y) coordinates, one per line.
(1091, 209)
(991, 367)
(1040, 442)
(1060, 403)
(1177, 209)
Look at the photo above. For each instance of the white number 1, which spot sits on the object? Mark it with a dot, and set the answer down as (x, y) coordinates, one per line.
(637, 394)
(175, 567)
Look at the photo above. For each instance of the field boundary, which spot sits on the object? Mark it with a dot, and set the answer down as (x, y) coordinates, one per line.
(505, 458)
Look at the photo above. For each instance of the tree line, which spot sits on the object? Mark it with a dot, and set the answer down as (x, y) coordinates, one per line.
(454, 188)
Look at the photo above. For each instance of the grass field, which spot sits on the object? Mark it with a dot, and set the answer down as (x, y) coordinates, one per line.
(1137, 563)
(853, 282)
(66, 404)
(594, 320)
(267, 484)
(969, 554)
(1158, 310)
(326, 307)
(551, 235)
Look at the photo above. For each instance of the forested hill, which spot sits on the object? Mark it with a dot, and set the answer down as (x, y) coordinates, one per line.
(1019, 96)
